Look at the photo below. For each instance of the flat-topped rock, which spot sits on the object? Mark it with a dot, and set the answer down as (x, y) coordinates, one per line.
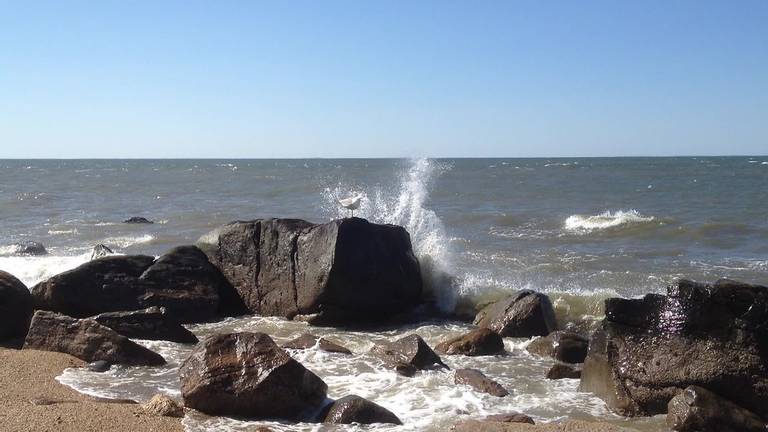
(524, 314)
(478, 342)
(137, 220)
(152, 323)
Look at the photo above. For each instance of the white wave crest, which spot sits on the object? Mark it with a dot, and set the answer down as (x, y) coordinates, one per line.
(605, 220)
(32, 270)
(126, 241)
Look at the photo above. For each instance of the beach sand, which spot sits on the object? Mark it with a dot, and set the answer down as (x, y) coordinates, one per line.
(32, 400)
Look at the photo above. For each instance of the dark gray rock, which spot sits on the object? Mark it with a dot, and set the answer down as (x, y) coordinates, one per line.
(478, 381)
(98, 366)
(137, 220)
(650, 349)
(561, 345)
(152, 323)
(354, 409)
(524, 314)
(15, 307)
(248, 375)
(345, 271)
(100, 251)
(87, 340)
(407, 355)
(697, 409)
(512, 417)
(478, 342)
(561, 370)
(307, 341)
(27, 247)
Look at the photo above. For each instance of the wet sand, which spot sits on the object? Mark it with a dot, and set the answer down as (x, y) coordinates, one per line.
(32, 400)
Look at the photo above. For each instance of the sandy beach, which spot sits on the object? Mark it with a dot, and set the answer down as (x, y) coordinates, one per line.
(32, 400)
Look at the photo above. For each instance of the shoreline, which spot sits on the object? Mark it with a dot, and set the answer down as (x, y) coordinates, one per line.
(32, 400)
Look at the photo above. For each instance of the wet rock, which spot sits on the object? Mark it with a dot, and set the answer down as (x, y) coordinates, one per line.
(100, 251)
(562, 426)
(182, 281)
(248, 375)
(354, 409)
(87, 340)
(137, 220)
(478, 381)
(98, 366)
(513, 417)
(162, 405)
(307, 341)
(524, 314)
(561, 370)
(345, 271)
(152, 323)
(564, 346)
(478, 342)
(408, 354)
(698, 409)
(652, 348)
(31, 248)
(15, 307)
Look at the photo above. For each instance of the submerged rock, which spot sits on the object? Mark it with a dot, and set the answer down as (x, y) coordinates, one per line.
(344, 271)
(15, 307)
(652, 348)
(354, 409)
(152, 323)
(561, 371)
(87, 340)
(564, 346)
(137, 220)
(100, 251)
(477, 342)
(162, 405)
(697, 409)
(478, 381)
(27, 247)
(524, 314)
(408, 354)
(98, 366)
(248, 375)
(307, 341)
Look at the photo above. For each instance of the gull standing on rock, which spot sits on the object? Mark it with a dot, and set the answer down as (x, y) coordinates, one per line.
(351, 203)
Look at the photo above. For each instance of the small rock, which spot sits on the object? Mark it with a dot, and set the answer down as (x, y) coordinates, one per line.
(512, 417)
(307, 341)
(562, 370)
(525, 314)
(29, 248)
(100, 251)
(164, 406)
(478, 342)
(354, 409)
(98, 366)
(408, 354)
(564, 346)
(478, 381)
(137, 220)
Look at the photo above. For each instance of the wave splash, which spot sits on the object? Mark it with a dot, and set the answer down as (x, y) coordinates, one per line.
(605, 220)
(407, 207)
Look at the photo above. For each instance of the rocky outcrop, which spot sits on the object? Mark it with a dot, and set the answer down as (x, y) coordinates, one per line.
(87, 340)
(479, 382)
(408, 355)
(162, 405)
(524, 314)
(697, 409)
(564, 346)
(344, 271)
(15, 307)
(477, 342)
(354, 409)
(137, 220)
(152, 323)
(182, 281)
(100, 251)
(307, 341)
(650, 349)
(248, 375)
(29, 248)
(561, 371)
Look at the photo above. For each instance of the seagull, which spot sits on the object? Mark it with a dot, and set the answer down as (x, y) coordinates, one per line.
(351, 203)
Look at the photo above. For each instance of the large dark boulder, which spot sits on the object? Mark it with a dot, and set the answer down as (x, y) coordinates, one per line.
(182, 281)
(15, 307)
(407, 355)
(479, 382)
(87, 340)
(650, 349)
(152, 323)
(248, 375)
(561, 345)
(344, 271)
(697, 409)
(354, 409)
(478, 342)
(525, 314)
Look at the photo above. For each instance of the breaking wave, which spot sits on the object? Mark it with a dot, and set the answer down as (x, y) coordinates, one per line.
(605, 220)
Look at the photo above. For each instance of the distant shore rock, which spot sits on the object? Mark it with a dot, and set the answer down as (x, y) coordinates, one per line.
(478, 342)
(354, 409)
(138, 220)
(346, 271)
(29, 248)
(16, 306)
(248, 375)
(652, 348)
(87, 340)
(152, 323)
(525, 314)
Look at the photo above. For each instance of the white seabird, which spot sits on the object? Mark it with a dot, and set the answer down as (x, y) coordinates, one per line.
(351, 203)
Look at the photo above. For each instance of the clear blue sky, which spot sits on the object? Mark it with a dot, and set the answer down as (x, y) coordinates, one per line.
(382, 78)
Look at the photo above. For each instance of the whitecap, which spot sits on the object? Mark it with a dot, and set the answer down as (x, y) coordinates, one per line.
(126, 241)
(32, 270)
(605, 220)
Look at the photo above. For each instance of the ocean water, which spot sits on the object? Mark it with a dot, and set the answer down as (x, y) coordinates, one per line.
(581, 230)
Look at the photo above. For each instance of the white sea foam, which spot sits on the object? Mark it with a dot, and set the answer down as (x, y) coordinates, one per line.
(605, 220)
(34, 269)
(63, 231)
(126, 241)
